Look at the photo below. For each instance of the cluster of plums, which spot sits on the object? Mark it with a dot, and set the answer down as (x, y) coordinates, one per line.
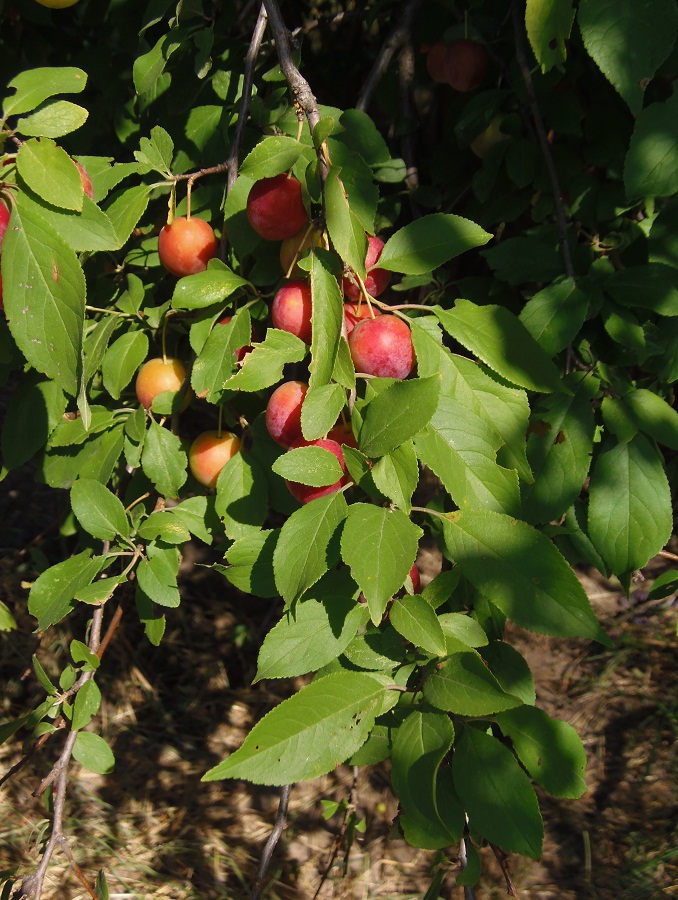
(380, 343)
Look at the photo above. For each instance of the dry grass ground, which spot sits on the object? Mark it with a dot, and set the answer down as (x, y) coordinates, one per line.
(173, 712)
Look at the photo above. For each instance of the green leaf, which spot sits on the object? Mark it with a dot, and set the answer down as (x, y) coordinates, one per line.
(518, 569)
(264, 366)
(412, 617)
(218, 358)
(34, 410)
(321, 409)
(164, 461)
(429, 242)
(100, 591)
(51, 597)
(654, 416)
(271, 156)
(92, 752)
(242, 496)
(309, 465)
(328, 315)
(630, 517)
(548, 24)
(317, 631)
(461, 448)
(380, 546)
(98, 510)
(206, 288)
(7, 620)
(510, 669)
(87, 703)
(250, 563)
(49, 171)
(396, 475)
(43, 678)
(525, 259)
(33, 86)
(157, 575)
(126, 209)
(398, 413)
(559, 451)
(628, 40)
(555, 315)
(149, 67)
(504, 409)
(499, 800)
(48, 330)
(345, 228)
(308, 734)
(502, 342)
(650, 286)
(651, 164)
(357, 181)
(420, 746)
(53, 119)
(86, 229)
(464, 685)
(308, 545)
(152, 619)
(157, 151)
(550, 750)
(464, 631)
(121, 361)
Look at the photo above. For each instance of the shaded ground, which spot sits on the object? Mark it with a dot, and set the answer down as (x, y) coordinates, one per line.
(171, 713)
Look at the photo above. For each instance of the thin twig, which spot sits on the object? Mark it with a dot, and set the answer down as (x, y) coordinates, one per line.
(272, 842)
(63, 844)
(396, 39)
(503, 860)
(544, 143)
(248, 81)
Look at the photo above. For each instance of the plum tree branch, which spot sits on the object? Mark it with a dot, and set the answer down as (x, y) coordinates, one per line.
(248, 81)
(301, 89)
(396, 39)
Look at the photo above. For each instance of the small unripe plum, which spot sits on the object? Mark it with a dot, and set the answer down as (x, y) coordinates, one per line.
(304, 493)
(159, 375)
(292, 309)
(283, 412)
(86, 180)
(376, 281)
(242, 351)
(186, 246)
(295, 247)
(382, 347)
(4, 219)
(435, 61)
(465, 65)
(275, 208)
(355, 311)
(209, 453)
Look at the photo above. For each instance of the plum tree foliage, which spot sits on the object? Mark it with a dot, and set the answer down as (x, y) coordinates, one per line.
(534, 287)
